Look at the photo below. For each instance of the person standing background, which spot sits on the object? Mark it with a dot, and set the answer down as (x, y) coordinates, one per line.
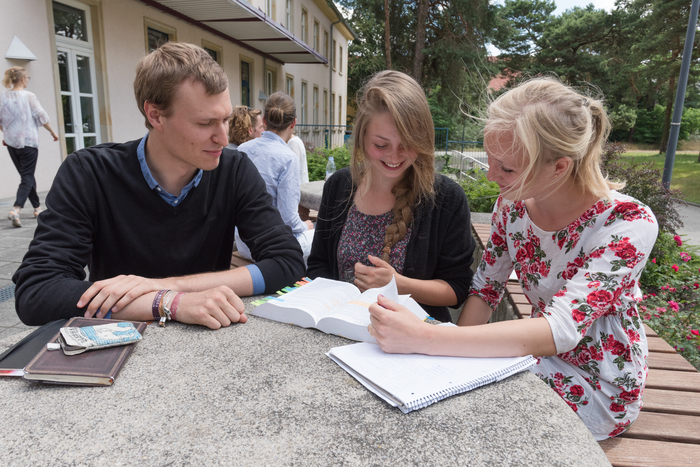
(245, 124)
(21, 115)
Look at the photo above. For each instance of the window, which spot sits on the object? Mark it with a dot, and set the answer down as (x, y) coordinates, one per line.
(271, 81)
(289, 85)
(157, 34)
(303, 103)
(340, 60)
(76, 75)
(304, 25)
(70, 22)
(245, 83)
(333, 54)
(215, 51)
(316, 38)
(325, 107)
(332, 108)
(288, 15)
(315, 107)
(325, 43)
(340, 110)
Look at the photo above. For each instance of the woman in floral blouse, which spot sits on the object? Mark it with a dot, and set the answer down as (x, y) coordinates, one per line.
(578, 248)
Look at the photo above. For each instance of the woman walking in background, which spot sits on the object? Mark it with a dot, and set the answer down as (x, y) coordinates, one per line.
(20, 118)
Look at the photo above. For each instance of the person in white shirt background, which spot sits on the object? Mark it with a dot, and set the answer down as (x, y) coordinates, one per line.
(279, 167)
(21, 115)
(297, 145)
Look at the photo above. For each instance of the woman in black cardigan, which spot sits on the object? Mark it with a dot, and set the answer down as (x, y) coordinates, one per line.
(389, 214)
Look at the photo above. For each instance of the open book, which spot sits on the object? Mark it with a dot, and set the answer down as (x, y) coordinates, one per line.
(411, 382)
(333, 307)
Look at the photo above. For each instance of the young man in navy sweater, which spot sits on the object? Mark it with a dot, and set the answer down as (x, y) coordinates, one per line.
(158, 214)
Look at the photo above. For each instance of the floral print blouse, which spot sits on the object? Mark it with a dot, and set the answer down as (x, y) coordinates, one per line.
(363, 234)
(584, 280)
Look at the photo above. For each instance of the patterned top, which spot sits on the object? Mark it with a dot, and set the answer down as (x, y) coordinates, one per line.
(21, 115)
(583, 279)
(363, 235)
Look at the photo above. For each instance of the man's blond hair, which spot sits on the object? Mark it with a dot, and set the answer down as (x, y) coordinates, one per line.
(159, 73)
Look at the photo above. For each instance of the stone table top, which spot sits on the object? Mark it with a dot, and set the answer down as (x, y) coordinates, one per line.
(265, 393)
(311, 194)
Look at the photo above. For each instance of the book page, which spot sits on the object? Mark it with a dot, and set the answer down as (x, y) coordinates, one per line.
(356, 311)
(318, 298)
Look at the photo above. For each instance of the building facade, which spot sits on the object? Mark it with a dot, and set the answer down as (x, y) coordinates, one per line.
(82, 54)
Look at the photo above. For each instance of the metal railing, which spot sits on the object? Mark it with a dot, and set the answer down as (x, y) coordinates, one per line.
(323, 136)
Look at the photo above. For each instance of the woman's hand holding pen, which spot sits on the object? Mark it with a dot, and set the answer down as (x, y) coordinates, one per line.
(396, 329)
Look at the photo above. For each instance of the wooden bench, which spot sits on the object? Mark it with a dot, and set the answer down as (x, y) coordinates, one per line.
(667, 431)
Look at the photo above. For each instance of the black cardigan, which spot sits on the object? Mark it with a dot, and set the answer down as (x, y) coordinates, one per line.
(102, 214)
(441, 244)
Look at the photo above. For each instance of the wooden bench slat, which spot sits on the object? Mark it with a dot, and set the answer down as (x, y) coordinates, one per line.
(629, 452)
(665, 427)
(667, 361)
(657, 344)
(678, 402)
(674, 380)
(650, 332)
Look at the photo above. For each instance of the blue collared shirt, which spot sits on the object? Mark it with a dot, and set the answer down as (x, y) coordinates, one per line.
(153, 184)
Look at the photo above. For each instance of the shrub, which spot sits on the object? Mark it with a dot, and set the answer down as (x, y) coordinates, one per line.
(670, 304)
(481, 193)
(318, 159)
(643, 182)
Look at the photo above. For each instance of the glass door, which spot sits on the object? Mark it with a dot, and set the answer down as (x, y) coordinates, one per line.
(78, 98)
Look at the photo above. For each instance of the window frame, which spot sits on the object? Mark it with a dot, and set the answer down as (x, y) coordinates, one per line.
(215, 48)
(149, 23)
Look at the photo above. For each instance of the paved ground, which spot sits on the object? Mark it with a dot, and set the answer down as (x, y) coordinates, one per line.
(15, 241)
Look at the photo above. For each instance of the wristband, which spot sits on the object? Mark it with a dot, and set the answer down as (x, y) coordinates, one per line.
(176, 302)
(156, 304)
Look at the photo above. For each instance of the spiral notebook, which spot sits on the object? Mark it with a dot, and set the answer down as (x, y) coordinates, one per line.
(411, 382)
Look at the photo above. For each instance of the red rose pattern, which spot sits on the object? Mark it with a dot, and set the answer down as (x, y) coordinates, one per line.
(594, 279)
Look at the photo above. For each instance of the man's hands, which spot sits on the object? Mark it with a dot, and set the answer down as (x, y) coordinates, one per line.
(116, 293)
(370, 277)
(309, 224)
(213, 308)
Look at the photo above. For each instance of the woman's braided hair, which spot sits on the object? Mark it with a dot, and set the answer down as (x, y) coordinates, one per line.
(402, 97)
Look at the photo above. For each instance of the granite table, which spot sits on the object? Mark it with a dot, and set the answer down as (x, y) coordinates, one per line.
(311, 194)
(265, 393)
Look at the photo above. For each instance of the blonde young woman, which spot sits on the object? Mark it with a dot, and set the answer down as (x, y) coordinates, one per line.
(21, 115)
(245, 124)
(578, 248)
(389, 214)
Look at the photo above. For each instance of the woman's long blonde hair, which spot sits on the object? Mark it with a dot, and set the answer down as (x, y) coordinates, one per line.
(550, 120)
(403, 98)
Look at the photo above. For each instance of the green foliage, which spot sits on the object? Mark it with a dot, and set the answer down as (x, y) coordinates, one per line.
(643, 182)
(481, 193)
(671, 303)
(317, 160)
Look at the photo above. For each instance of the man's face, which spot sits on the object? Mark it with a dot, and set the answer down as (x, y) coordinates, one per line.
(257, 129)
(197, 128)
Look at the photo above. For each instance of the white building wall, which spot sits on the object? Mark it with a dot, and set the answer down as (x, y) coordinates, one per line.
(123, 34)
(27, 19)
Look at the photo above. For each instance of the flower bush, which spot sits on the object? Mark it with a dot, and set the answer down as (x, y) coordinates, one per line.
(671, 302)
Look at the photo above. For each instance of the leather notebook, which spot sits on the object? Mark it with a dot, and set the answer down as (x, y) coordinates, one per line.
(92, 368)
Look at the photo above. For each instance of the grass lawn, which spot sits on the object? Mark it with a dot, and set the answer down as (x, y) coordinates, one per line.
(686, 171)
